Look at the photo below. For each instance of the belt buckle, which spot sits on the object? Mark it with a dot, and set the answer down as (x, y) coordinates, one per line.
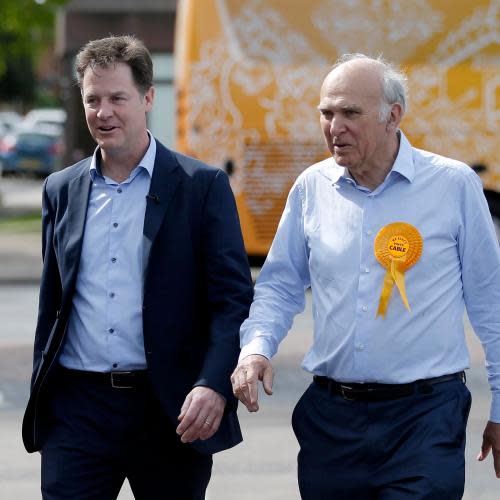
(343, 389)
(116, 384)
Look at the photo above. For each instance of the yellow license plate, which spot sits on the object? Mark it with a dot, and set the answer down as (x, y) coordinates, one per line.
(30, 163)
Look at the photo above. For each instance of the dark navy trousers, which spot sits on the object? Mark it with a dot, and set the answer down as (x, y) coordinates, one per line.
(410, 448)
(100, 435)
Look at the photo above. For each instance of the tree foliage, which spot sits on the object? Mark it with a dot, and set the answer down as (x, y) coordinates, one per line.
(26, 29)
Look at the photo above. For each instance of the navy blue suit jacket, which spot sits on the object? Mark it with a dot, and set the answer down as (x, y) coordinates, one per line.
(197, 286)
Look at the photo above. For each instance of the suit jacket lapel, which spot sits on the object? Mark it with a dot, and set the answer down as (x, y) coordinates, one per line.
(166, 177)
(78, 196)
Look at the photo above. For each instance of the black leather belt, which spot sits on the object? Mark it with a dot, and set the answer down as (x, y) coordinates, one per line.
(117, 380)
(381, 392)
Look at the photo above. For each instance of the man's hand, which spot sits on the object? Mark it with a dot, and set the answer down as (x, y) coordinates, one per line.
(245, 377)
(491, 441)
(200, 414)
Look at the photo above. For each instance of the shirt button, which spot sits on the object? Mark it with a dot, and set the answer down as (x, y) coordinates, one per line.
(115, 224)
(113, 259)
(369, 232)
(111, 330)
(365, 308)
(366, 269)
(111, 294)
(119, 190)
(360, 347)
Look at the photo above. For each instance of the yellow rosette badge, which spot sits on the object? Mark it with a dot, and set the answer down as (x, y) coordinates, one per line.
(398, 246)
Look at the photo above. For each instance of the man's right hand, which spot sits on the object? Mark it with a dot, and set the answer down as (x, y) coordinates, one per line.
(245, 379)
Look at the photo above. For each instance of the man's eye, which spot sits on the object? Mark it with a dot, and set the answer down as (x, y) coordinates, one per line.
(350, 113)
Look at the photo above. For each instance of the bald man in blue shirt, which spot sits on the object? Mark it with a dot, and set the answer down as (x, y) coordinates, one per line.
(394, 243)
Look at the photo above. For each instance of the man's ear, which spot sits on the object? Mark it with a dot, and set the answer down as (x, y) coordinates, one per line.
(395, 116)
(149, 97)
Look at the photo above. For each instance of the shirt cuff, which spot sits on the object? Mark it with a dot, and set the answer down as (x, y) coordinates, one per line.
(495, 408)
(259, 345)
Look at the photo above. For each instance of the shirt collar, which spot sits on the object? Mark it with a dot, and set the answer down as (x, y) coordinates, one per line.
(404, 160)
(147, 162)
(403, 164)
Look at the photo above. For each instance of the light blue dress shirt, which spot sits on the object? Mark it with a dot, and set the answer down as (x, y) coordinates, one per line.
(325, 240)
(105, 325)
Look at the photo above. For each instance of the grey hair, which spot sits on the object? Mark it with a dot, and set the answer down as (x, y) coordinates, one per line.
(394, 83)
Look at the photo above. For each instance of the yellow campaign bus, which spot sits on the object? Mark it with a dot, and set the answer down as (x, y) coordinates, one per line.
(248, 74)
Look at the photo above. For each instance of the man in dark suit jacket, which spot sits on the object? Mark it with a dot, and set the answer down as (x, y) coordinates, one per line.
(145, 283)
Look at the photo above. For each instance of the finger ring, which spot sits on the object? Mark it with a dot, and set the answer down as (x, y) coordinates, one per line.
(207, 422)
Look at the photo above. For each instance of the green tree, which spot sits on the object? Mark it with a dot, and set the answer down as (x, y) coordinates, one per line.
(26, 30)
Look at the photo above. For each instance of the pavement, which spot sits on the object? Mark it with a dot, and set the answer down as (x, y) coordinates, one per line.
(20, 258)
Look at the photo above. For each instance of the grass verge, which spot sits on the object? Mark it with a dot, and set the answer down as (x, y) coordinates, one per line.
(29, 223)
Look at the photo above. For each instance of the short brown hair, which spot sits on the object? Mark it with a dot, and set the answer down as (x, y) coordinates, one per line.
(112, 50)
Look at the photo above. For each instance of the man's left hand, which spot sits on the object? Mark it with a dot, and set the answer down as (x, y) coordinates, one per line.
(491, 441)
(200, 414)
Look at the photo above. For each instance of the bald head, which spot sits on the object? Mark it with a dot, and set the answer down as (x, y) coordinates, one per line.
(381, 79)
(364, 76)
(359, 67)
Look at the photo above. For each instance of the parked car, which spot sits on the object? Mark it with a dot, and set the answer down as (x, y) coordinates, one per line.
(36, 151)
(9, 121)
(44, 116)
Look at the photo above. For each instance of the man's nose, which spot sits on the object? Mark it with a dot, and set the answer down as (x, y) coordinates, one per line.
(104, 111)
(337, 125)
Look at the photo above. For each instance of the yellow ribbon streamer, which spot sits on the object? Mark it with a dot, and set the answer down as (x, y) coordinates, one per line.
(397, 246)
